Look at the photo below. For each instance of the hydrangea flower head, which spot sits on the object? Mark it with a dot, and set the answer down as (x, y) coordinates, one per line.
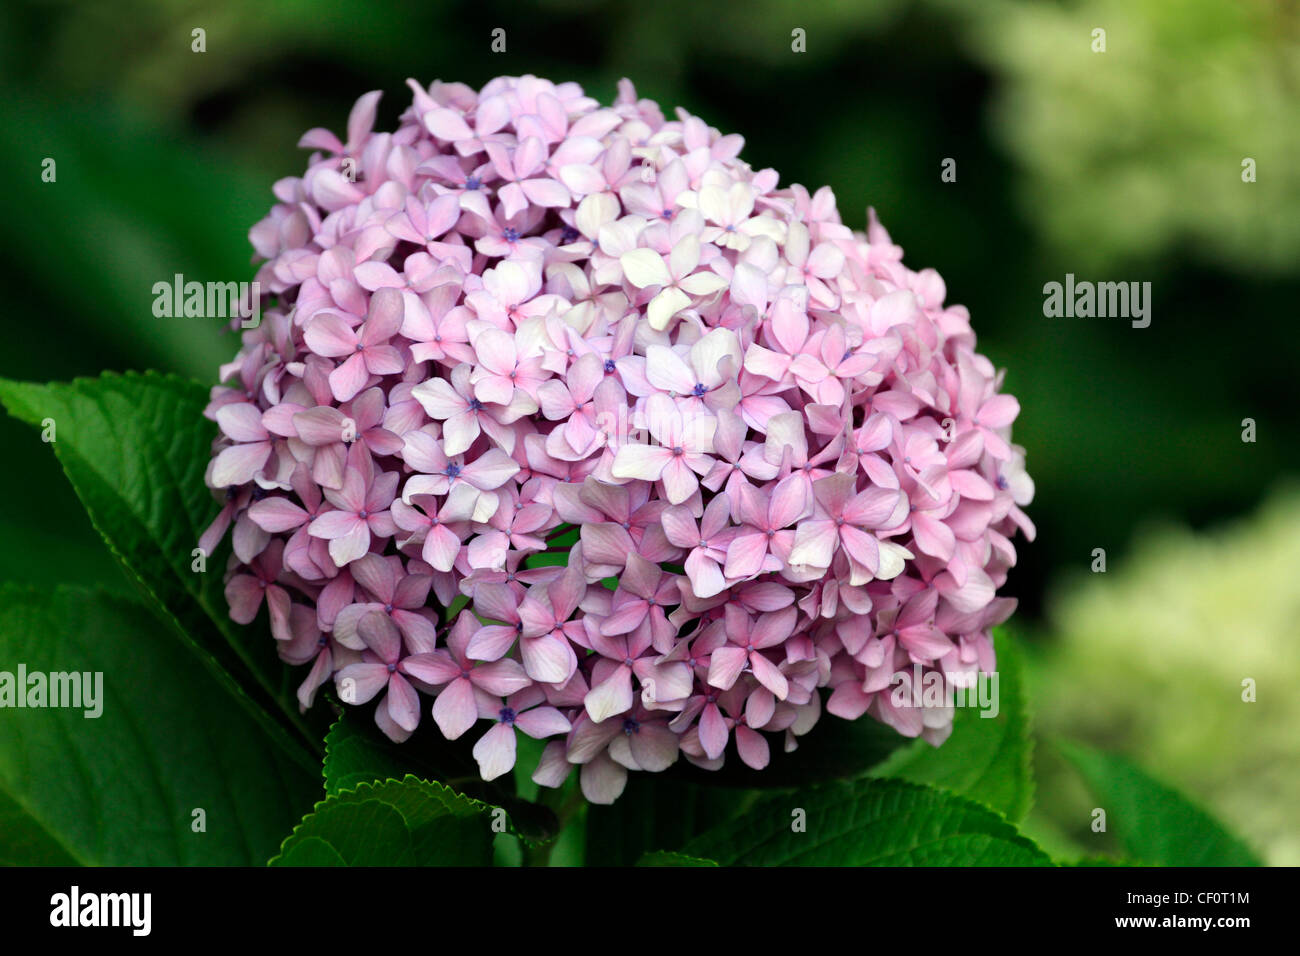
(694, 460)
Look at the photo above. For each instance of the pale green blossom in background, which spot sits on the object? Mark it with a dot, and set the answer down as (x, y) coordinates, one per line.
(1149, 660)
(1139, 149)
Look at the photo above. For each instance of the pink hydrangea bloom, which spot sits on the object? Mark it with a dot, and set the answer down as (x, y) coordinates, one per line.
(704, 461)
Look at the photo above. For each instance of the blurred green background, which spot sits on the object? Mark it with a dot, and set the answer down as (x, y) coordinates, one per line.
(1123, 165)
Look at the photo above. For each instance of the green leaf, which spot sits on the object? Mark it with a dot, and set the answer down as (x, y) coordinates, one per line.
(120, 789)
(867, 823)
(23, 842)
(357, 752)
(135, 448)
(664, 810)
(988, 759)
(1154, 823)
(665, 858)
(410, 822)
(658, 812)
(1094, 861)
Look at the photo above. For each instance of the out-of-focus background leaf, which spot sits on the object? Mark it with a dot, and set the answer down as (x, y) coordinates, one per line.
(1119, 166)
(1154, 823)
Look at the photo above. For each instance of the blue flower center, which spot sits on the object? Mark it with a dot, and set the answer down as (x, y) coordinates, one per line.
(511, 235)
(507, 715)
(453, 469)
(699, 390)
(473, 182)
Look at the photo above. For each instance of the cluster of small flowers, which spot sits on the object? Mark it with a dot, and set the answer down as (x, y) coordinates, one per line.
(681, 448)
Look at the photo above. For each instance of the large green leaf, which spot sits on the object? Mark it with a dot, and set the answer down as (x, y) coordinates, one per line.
(667, 858)
(408, 822)
(658, 812)
(357, 752)
(135, 448)
(988, 759)
(23, 842)
(867, 823)
(1154, 822)
(1100, 861)
(121, 789)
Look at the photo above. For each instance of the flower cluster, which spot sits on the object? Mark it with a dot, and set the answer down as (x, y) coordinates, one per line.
(564, 417)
